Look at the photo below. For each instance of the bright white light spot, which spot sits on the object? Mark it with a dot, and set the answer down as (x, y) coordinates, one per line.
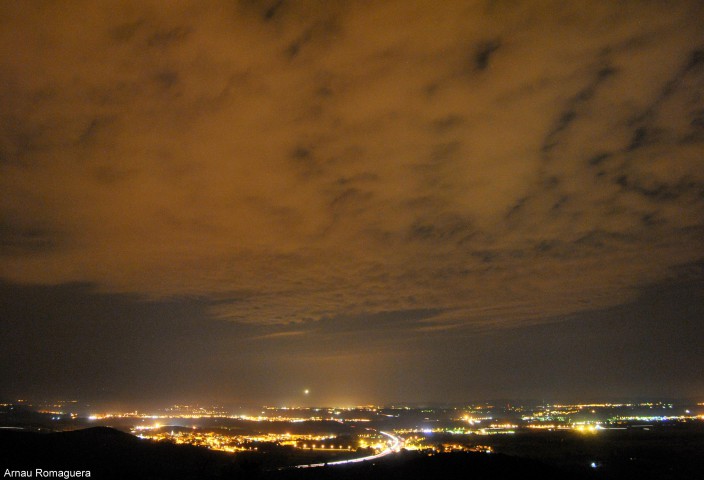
(306, 391)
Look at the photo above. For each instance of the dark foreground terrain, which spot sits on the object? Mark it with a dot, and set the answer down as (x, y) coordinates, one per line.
(111, 454)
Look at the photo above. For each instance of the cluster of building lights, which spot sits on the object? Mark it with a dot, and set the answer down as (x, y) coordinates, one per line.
(237, 443)
(271, 414)
(482, 419)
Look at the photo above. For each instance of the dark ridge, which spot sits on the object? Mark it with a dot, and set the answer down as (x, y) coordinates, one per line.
(108, 454)
(97, 432)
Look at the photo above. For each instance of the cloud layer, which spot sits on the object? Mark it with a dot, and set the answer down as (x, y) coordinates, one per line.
(493, 162)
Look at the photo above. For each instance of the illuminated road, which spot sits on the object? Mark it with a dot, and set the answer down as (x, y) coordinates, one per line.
(393, 447)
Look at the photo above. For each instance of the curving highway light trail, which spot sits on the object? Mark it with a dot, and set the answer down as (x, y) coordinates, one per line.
(393, 447)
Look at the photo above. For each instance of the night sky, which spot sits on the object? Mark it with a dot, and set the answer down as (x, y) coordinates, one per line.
(377, 201)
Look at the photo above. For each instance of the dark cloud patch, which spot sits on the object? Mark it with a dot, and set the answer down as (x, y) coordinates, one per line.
(271, 11)
(696, 131)
(397, 322)
(658, 191)
(365, 177)
(676, 82)
(649, 219)
(317, 36)
(562, 123)
(95, 128)
(351, 201)
(696, 60)
(167, 38)
(430, 89)
(17, 238)
(560, 203)
(447, 123)
(111, 174)
(639, 138)
(577, 102)
(294, 47)
(441, 230)
(605, 72)
(485, 256)
(444, 152)
(306, 162)
(599, 239)
(598, 159)
(698, 119)
(484, 53)
(516, 208)
(688, 272)
(127, 31)
(324, 91)
(167, 79)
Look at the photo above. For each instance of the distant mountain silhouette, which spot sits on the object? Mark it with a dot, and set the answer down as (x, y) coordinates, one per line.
(108, 453)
